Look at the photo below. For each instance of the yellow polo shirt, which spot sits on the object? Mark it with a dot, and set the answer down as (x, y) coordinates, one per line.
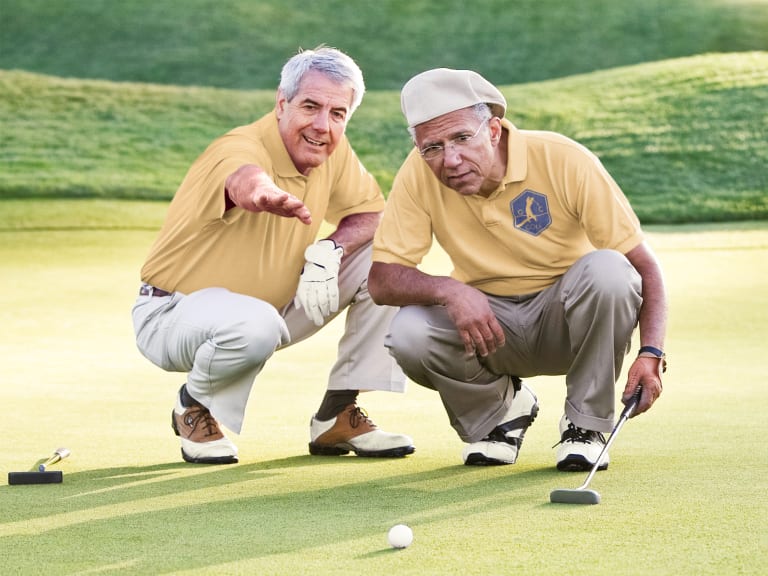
(555, 204)
(258, 254)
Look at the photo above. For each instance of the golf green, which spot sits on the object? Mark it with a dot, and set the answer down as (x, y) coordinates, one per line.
(685, 492)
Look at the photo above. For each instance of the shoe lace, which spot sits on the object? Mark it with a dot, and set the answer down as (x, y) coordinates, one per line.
(359, 416)
(201, 415)
(575, 434)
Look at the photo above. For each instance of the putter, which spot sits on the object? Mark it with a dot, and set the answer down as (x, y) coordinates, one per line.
(41, 475)
(582, 495)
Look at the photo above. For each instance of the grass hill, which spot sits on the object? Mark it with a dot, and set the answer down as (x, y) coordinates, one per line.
(242, 43)
(684, 138)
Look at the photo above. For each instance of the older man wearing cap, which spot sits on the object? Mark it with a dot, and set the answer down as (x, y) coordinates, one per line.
(551, 274)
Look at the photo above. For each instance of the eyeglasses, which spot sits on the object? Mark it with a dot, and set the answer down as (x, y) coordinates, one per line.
(436, 151)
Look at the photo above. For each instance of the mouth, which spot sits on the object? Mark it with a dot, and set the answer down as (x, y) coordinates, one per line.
(458, 177)
(311, 142)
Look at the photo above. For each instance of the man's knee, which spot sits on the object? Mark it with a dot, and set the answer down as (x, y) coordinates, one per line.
(245, 326)
(610, 273)
(408, 339)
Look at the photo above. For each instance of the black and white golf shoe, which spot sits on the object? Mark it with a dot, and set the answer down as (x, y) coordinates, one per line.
(503, 444)
(579, 449)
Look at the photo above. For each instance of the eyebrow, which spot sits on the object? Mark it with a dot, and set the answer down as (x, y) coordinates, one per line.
(344, 109)
(448, 139)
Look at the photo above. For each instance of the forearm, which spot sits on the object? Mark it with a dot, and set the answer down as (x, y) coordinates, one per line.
(356, 230)
(397, 285)
(653, 315)
(467, 307)
(247, 181)
(653, 312)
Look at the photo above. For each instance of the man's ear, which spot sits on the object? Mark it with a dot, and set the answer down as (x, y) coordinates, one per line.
(280, 102)
(494, 123)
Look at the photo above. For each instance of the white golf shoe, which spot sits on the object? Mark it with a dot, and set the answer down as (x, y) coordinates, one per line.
(503, 444)
(579, 449)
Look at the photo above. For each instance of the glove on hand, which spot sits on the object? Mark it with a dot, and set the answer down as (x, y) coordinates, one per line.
(318, 291)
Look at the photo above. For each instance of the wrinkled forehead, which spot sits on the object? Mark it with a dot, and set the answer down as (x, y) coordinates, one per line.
(446, 126)
(323, 89)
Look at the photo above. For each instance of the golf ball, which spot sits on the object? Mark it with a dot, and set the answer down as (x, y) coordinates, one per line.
(400, 536)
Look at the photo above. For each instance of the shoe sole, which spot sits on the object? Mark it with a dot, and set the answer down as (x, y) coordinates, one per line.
(578, 463)
(478, 459)
(209, 460)
(341, 450)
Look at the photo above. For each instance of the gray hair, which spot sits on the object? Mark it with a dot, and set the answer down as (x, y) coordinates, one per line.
(481, 110)
(331, 62)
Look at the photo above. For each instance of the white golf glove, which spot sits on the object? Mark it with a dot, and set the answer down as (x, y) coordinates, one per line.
(318, 291)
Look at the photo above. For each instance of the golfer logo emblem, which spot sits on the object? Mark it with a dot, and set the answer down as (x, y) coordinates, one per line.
(530, 211)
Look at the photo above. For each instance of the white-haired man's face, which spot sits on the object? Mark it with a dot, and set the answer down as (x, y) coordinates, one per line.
(313, 122)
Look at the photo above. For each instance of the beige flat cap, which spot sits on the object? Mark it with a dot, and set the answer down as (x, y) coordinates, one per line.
(443, 90)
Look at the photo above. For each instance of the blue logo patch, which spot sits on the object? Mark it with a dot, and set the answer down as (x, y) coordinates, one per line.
(530, 211)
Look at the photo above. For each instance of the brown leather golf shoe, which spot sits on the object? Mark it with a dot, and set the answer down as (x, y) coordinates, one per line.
(352, 430)
(202, 441)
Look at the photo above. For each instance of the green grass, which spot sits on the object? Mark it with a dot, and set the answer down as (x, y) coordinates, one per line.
(685, 493)
(242, 43)
(684, 138)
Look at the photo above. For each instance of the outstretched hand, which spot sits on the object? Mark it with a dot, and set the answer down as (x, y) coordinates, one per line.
(250, 188)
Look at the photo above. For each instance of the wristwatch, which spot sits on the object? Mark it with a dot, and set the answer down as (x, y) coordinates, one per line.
(653, 352)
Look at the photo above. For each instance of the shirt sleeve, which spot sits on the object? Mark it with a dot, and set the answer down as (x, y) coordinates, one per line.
(603, 210)
(404, 235)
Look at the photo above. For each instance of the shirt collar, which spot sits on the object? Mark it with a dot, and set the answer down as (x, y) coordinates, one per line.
(517, 154)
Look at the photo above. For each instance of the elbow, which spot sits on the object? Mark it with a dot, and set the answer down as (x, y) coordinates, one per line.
(375, 287)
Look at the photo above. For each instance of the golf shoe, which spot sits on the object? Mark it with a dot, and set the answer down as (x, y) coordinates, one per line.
(578, 448)
(202, 441)
(352, 430)
(503, 444)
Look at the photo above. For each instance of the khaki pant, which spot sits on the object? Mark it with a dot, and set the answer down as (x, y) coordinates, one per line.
(223, 340)
(581, 327)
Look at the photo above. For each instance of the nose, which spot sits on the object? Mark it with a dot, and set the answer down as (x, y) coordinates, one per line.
(321, 121)
(451, 155)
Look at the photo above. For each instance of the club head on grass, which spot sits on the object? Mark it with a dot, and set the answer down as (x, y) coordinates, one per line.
(576, 496)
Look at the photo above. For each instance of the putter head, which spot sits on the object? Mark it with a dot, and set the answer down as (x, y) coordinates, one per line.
(48, 477)
(575, 496)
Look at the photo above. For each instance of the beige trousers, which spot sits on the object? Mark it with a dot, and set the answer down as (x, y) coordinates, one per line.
(581, 327)
(223, 340)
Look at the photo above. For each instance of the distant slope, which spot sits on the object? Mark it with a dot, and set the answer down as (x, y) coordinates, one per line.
(686, 138)
(243, 43)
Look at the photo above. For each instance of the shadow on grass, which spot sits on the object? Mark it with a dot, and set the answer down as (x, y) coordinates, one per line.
(141, 517)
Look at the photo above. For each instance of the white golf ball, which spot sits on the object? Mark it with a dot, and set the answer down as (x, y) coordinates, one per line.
(400, 536)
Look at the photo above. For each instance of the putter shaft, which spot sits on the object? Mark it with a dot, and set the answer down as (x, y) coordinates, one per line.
(59, 454)
(581, 495)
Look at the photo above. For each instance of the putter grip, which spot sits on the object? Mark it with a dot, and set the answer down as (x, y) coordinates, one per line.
(632, 404)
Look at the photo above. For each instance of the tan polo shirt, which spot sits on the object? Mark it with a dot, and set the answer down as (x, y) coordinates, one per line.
(555, 204)
(258, 254)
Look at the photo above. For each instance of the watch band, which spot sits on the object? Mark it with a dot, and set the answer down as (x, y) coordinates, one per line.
(651, 350)
(656, 353)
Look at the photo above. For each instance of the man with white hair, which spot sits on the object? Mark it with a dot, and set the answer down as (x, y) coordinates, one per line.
(237, 272)
(551, 274)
